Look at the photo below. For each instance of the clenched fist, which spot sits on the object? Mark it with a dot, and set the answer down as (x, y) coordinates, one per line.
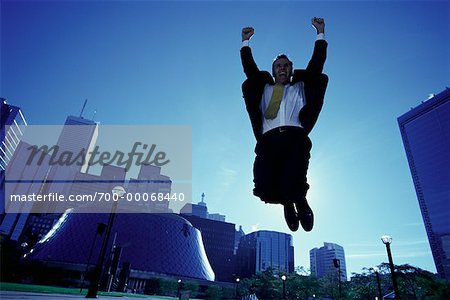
(247, 33)
(318, 24)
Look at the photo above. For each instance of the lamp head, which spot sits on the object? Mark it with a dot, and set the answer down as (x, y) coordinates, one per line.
(118, 191)
(386, 239)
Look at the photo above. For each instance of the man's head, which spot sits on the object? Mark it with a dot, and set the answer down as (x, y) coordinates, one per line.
(282, 69)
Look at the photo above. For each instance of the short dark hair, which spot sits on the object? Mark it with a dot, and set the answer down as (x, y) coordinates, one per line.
(277, 58)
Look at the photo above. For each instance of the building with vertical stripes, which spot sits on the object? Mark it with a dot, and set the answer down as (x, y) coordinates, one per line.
(425, 132)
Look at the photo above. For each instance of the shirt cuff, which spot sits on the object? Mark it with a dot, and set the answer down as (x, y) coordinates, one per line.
(245, 43)
(320, 36)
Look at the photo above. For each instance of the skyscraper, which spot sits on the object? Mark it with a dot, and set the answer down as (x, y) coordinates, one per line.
(75, 138)
(322, 260)
(77, 134)
(261, 250)
(425, 131)
(10, 134)
(16, 213)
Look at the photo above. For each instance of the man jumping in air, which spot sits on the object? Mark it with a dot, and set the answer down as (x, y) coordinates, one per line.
(283, 108)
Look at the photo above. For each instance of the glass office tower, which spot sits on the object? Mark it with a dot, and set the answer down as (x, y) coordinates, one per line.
(425, 131)
(261, 250)
(322, 261)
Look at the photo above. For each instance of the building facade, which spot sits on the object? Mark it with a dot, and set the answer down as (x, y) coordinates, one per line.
(219, 241)
(327, 260)
(42, 177)
(151, 245)
(201, 210)
(39, 176)
(425, 132)
(261, 250)
(219, 238)
(12, 123)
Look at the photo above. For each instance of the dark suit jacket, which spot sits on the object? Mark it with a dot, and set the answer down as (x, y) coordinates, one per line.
(315, 83)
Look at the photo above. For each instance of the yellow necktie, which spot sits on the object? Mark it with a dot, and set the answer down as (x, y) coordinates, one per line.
(275, 100)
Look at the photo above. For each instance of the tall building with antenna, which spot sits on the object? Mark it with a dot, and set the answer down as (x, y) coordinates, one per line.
(201, 210)
(79, 133)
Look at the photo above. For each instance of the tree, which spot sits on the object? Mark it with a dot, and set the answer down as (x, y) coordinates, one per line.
(213, 292)
(267, 285)
(413, 283)
(245, 286)
(168, 287)
(301, 286)
(329, 285)
(192, 287)
(418, 283)
(363, 286)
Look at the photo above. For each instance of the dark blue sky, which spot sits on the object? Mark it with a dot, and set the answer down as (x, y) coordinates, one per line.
(153, 63)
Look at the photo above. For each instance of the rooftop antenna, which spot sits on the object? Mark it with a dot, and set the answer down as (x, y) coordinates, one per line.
(202, 203)
(95, 112)
(82, 109)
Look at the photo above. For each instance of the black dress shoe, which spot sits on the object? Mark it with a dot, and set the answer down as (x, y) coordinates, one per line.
(291, 216)
(305, 215)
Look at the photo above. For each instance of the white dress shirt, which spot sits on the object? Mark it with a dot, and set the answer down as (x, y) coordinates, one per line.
(291, 103)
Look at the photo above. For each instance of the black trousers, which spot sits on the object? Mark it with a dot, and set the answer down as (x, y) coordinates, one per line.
(281, 165)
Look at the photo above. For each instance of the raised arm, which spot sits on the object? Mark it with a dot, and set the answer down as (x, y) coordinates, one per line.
(315, 65)
(248, 63)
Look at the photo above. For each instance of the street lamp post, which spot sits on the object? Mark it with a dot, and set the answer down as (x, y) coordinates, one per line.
(180, 284)
(283, 279)
(387, 240)
(95, 281)
(100, 228)
(237, 287)
(377, 274)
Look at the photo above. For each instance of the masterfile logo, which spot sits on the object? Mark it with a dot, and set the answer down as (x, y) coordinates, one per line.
(59, 167)
(119, 158)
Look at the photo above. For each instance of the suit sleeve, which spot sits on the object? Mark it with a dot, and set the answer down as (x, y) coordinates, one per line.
(315, 86)
(248, 63)
(315, 65)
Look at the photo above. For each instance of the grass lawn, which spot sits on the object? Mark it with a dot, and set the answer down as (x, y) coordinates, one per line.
(8, 286)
